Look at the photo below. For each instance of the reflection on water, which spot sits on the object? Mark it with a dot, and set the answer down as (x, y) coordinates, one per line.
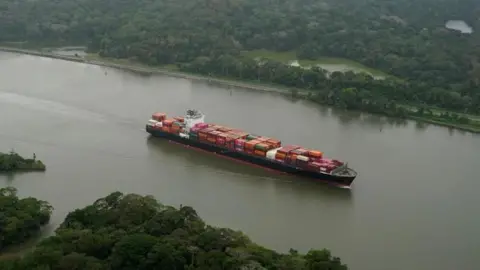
(421, 126)
(9, 177)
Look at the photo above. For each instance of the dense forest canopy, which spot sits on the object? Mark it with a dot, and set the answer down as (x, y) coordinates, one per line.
(20, 219)
(407, 39)
(134, 232)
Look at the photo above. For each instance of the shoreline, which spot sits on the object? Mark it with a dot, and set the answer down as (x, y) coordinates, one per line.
(153, 70)
(223, 82)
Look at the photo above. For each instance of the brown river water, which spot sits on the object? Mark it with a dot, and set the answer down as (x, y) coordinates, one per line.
(411, 207)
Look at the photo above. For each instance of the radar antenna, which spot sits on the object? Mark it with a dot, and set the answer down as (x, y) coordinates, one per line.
(192, 112)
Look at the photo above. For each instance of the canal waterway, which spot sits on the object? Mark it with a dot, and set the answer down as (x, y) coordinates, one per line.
(413, 205)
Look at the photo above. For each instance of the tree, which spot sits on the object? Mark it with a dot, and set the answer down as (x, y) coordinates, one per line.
(129, 231)
(20, 219)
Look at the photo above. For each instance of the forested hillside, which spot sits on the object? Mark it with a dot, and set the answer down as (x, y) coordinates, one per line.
(133, 232)
(407, 39)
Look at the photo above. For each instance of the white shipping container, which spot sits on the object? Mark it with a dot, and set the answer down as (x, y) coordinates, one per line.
(152, 122)
(302, 158)
(271, 154)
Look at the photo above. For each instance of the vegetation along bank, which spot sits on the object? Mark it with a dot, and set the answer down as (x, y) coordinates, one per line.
(406, 62)
(129, 231)
(20, 219)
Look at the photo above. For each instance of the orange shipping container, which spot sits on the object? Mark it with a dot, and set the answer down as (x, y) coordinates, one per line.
(273, 144)
(273, 141)
(280, 156)
(250, 145)
(292, 157)
(222, 135)
(262, 139)
(313, 153)
(224, 129)
(263, 146)
(242, 134)
(165, 129)
(260, 153)
(233, 137)
(212, 140)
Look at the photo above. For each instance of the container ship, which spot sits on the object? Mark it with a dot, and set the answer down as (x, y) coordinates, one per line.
(191, 130)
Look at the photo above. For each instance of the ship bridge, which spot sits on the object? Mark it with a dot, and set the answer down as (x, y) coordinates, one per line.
(193, 117)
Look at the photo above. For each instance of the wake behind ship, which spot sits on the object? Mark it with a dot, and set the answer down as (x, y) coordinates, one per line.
(191, 130)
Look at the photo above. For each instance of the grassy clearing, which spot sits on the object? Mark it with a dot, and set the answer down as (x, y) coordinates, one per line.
(328, 63)
(96, 57)
(474, 128)
(439, 111)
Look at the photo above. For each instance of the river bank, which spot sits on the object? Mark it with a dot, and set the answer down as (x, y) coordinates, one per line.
(152, 70)
(170, 71)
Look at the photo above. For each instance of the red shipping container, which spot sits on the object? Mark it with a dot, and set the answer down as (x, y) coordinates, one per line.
(230, 145)
(240, 142)
(165, 129)
(248, 151)
(167, 122)
(159, 116)
(179, 119)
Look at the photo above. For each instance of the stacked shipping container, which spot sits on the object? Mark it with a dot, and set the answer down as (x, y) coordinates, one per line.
(241, 141)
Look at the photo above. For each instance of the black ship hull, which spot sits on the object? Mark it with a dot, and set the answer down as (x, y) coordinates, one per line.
(341, 181)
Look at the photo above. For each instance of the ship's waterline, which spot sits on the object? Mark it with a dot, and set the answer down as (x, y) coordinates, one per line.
(191, 130)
